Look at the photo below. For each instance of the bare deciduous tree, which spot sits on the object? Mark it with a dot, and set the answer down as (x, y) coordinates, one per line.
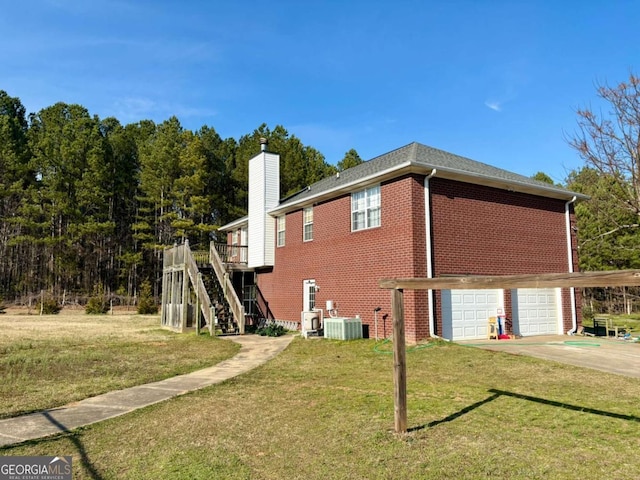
(609, 141)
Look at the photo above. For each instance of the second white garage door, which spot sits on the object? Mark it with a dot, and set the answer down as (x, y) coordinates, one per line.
(535, 311)
(465, 313)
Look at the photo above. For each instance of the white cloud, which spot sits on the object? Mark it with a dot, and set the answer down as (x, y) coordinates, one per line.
(494, 105)
(506, 83)
(134, 109)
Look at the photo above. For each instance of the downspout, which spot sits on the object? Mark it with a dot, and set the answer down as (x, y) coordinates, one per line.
(572, 290)
(427, 218)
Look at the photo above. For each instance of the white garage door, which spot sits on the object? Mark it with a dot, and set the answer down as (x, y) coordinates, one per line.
(535, 311)
(465, 313)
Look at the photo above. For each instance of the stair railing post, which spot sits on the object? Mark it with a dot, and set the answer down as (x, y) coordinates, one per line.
(212, 327)
(174, 298)
(241, 320)
(197, 309)
(165, 294)
(185, 298)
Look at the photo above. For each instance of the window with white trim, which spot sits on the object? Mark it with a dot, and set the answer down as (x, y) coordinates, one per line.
(307, 224)
(365, 208)
(281, 225)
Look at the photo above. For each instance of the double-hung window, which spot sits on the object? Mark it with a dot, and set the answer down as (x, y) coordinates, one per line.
(307, 224)
(365, 208)
(280, 221)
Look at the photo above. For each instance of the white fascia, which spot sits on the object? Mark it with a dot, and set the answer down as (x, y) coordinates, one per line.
(448, 173)
(344, 188)
(240, 222)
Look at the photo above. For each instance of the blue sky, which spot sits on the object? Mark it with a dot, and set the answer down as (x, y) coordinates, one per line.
(498, 82)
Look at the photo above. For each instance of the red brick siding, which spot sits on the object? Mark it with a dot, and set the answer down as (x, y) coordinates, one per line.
(347, 265)
(485, 231)
(476, 230)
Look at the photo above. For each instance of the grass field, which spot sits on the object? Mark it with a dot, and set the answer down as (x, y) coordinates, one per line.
(48, 361)
(324, 410)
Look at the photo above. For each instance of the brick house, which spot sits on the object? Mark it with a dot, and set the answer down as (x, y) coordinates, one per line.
(413, 212)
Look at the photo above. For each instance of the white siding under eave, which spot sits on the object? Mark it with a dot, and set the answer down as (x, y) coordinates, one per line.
(264, 194)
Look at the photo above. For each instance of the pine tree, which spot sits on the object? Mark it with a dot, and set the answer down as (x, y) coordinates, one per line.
(15, 177)
(351, 159)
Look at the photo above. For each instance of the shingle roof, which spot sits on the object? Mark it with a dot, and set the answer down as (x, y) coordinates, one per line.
(416, 157)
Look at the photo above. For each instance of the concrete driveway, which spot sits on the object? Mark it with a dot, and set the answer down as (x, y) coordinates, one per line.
(600, 353)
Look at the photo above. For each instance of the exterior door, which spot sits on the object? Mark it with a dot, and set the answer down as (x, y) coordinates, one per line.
(308, 295)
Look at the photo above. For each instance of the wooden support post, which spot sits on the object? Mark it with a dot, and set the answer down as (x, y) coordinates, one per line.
(212, 326)
(185, 299)
(174, 298)
(165, 297)
(399, 362)
(197, 308)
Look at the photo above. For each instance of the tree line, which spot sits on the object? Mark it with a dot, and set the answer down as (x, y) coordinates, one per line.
(88, 204)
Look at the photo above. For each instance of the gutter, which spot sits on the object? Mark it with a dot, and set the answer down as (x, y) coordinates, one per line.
(346, 187)
(236, 223)
(574, 315)
(410, 166)
(427, 218)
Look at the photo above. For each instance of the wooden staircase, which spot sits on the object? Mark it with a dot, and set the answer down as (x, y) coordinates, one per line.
(183, 307)
(226, 289)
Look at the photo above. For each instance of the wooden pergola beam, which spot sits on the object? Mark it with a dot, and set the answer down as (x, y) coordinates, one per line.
(397, 286)
(618, 278)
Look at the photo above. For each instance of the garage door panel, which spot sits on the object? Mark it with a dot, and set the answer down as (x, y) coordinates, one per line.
(468, 300)
(480, 330)
(535, 311)
(469, 315)
(470, 332)
(465, 313)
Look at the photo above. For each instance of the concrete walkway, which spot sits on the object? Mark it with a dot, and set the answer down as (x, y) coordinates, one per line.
(255, 351)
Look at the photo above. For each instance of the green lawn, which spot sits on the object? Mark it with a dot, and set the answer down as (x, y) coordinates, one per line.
(52, 360)
(324, 410)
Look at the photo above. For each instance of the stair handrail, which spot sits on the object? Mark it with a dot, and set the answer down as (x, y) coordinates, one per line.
(260, 301)
(196, 281)
(227, 287)
(232, 253)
